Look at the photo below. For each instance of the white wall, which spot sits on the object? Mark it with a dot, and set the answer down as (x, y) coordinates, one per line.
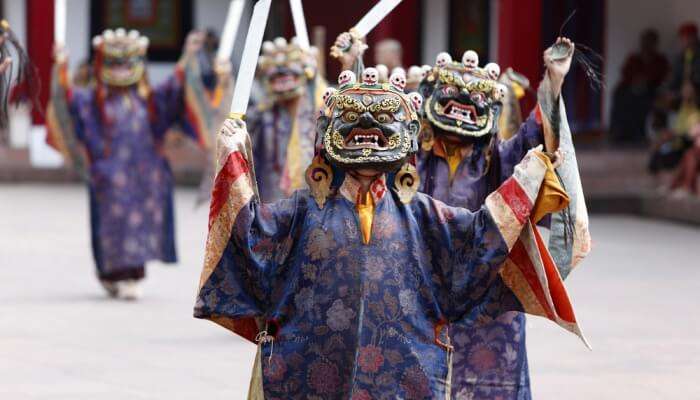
(626, 20)
(77, 31)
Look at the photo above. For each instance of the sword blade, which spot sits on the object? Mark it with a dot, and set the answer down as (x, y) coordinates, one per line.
(60, 22)
(249, 60)
(299, 23)
(375, 16)
(228, 36)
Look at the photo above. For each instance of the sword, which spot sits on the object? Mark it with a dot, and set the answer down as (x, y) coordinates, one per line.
(249, 60)
(367, 23)
(228, 36)
(59, 30)
(299, 23)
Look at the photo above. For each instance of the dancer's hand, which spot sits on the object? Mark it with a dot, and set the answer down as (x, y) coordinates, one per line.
(558, 159)
(223, 71)
(193, 42)
(347, 48)
(60, 54)
(233, 127)
(5, 64)
(558, 68)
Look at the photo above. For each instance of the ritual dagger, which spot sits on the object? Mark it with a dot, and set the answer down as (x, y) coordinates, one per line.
(299, 24)
(249, 60)
(367, 23)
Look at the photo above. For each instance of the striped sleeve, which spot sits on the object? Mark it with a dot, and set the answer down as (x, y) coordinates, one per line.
(511, 204)
(61, 129)
(224, 297)
(529, 271)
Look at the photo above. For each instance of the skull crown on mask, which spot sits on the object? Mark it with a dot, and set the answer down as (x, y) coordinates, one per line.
(461, 99)
(368, 124)
(122, 56)
(286, 68)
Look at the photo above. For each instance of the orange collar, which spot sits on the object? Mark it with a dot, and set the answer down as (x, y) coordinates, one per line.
(452, 153)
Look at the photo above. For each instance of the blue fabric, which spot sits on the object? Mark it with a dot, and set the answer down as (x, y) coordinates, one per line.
(130, 182)
(270, 128)
(355, 320)
(490, 359)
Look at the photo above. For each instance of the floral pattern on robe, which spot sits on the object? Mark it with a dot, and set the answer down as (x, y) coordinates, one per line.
(129, 180)
(351, 320)
(490, 360)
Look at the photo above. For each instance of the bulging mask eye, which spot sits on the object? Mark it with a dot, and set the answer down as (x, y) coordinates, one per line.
(478, 98)
(384, 118)
(350, 117)
(449, 90)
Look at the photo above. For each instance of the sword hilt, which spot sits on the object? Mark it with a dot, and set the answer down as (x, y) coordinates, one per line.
(337, 51)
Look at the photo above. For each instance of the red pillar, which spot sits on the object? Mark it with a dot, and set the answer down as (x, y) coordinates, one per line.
(520, 39)
(40, 47)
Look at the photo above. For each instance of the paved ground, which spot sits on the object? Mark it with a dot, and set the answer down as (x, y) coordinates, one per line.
(61, 339)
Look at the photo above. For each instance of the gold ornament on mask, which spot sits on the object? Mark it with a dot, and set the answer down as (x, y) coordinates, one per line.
(406, 182)
(319, 176)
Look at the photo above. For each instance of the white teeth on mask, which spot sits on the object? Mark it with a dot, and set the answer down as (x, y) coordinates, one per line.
(465, 115)
(366, 139)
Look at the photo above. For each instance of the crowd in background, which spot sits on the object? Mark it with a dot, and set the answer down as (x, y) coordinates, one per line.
(658, 102)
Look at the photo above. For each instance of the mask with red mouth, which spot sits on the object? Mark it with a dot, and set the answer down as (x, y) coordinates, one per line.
(120, 57)
(286, 68)
(462, 100)
(367, 125)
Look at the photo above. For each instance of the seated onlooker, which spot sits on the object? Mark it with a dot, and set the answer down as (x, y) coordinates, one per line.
(674, 138)
(642, 75)
(685, 181)
(686, 65)
(670, 131)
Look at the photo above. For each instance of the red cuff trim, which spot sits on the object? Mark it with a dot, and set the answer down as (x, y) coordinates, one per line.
(180, 74)
(538, 115)
(516, 199)
(236, 165)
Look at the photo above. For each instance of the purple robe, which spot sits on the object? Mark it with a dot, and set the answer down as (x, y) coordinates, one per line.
(490, 361)
(271, 128)
(129, 180)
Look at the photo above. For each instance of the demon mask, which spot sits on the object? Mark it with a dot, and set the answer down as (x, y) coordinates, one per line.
(369, 124)
(286, 68)
(120, 57)
(462, 100)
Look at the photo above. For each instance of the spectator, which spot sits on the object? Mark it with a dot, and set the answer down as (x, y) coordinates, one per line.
(672, 143)
(642, 75)
(685, 181)
(686, 66)
(388, 52)
(688, 125)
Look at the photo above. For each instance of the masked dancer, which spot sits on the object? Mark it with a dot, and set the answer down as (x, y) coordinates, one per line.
(115, 132)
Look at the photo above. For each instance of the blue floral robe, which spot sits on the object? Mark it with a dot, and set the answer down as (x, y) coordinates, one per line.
(490, 361)
(345, 319)
(129, 180)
